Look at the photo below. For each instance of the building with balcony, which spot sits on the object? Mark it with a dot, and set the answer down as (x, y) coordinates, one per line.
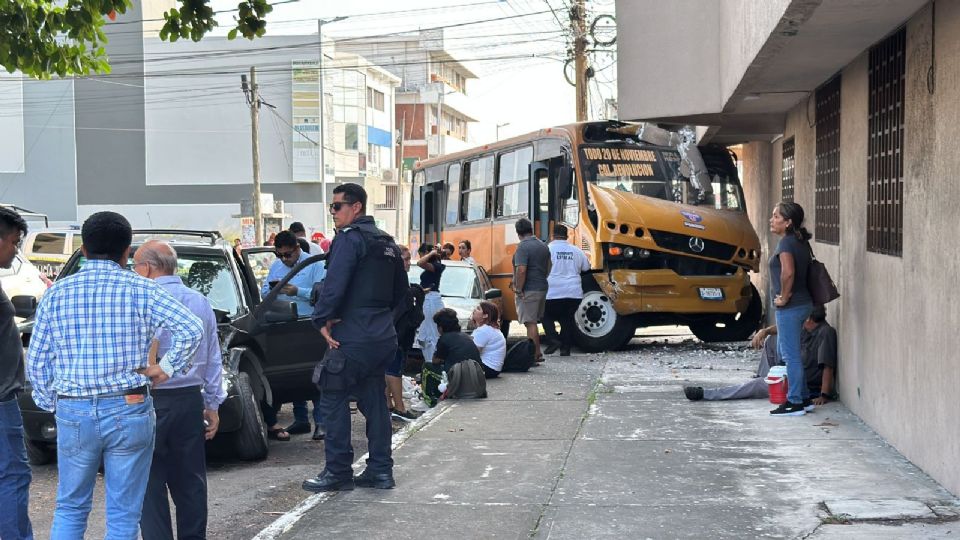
(850, 108)
(434, 110)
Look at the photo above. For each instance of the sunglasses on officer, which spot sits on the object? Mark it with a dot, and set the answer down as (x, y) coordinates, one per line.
(336, 206)
(285, 254)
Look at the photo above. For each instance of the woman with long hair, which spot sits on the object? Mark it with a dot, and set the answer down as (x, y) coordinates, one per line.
(788, 281)
(489, 339)
(427, 334)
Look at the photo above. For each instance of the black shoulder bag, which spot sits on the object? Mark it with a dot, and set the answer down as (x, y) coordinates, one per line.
(822, 288)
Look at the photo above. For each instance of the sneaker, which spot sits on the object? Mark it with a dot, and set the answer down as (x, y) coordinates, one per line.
(693, 393)
(789, 409)
(406, 416)
(808, 406)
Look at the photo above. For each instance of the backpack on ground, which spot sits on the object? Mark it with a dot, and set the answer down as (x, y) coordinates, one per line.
(520, 357)
(467, 381)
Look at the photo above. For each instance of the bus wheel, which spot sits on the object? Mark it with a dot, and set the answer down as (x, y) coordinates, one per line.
(737, 327)
(598, 326)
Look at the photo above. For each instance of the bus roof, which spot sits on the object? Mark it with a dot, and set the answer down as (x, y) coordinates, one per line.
(564, 131)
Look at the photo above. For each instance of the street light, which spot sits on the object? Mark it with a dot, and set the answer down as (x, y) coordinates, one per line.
(500, 126)
(323, 105)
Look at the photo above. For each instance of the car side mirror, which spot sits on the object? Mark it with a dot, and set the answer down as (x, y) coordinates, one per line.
(281, 312)
(565, 182)
(24, 305)
(222, 316)
(492, 293)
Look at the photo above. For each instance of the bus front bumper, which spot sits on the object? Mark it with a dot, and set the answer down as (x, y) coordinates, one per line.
(665, 291)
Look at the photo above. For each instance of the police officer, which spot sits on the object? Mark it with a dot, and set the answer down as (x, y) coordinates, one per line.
(365, 280)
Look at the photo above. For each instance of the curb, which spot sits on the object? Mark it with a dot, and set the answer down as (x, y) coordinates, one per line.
(286, 522)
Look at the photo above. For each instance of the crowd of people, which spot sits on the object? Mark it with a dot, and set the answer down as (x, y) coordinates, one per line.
(130, 362)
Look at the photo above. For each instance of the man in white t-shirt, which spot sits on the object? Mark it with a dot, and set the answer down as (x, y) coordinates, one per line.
(565, 291)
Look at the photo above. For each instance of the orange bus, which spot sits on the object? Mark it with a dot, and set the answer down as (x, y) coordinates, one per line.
(662, 222)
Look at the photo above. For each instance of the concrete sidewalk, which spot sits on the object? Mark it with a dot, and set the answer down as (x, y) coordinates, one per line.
(606, 446)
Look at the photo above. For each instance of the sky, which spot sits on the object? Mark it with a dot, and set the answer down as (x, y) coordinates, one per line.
(526, 91)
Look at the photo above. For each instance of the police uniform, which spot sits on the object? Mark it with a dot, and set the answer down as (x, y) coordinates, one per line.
(365, 281)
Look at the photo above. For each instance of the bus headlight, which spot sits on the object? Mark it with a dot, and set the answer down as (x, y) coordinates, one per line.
(629, 252)
(644, 253)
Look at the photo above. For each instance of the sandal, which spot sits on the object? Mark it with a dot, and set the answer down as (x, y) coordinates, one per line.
(278, 434)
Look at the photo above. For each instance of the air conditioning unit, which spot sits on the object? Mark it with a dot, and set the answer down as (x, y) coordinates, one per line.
(388, 175)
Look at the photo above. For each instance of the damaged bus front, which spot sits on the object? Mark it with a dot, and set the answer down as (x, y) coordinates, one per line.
(670, 241)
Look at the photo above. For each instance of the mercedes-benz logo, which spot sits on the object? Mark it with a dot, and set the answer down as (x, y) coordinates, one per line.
(696, 244)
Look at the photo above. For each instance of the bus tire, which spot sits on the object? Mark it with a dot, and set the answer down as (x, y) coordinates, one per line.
(598, 327)
(738, 327)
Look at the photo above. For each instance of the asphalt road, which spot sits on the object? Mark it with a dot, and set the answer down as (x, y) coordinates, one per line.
(244, 497)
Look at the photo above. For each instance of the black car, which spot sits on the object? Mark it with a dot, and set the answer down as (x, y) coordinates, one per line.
(269, 350)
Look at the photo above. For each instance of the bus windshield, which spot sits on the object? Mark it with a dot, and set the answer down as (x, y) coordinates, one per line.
(655, 173)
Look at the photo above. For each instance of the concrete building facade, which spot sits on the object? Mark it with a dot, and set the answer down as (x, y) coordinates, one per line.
(850, 108)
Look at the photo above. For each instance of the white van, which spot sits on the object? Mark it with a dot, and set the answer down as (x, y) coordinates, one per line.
(48, 249)
(22, 278)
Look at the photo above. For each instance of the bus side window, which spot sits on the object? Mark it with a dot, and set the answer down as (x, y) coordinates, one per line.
(476, 200)
(453, 194)
(513, 182)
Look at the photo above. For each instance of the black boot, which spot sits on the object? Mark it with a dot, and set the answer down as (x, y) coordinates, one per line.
(375, 480)
(693, 393)
(327, 482)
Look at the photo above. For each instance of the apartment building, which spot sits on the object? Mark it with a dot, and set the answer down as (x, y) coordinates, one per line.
(850, 108)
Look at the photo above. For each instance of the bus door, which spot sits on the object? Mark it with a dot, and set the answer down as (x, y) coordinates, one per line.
(544, 196)
(431, 204)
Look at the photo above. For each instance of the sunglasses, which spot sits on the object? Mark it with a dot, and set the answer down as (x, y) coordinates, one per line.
(285, 255)
(336, 206)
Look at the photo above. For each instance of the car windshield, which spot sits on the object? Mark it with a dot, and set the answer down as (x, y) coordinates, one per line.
(655, 173)
(457, 281)
(209, 275)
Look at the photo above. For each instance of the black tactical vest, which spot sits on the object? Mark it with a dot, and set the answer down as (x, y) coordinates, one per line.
(372, 284)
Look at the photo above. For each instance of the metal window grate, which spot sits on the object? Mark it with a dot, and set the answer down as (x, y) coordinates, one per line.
(885, 145)
(787, 170)
(828, 163)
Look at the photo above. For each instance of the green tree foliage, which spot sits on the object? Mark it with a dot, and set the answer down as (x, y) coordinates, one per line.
(42, 38)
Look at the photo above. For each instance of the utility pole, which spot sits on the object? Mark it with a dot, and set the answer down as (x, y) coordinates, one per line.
(253, 98)
(578, 23)
(323, 106)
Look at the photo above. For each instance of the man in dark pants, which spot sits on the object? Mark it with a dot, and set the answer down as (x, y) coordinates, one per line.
(354, 313)
(14, 468)
(564, 292)
(182, 405)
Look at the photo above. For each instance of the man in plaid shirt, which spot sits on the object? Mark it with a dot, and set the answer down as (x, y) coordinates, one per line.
(88, 362)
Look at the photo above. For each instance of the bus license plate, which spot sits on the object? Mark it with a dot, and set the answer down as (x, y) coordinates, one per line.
(711, 293)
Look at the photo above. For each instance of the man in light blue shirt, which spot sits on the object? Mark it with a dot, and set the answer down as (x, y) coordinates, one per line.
(298, 289)
(182, 405)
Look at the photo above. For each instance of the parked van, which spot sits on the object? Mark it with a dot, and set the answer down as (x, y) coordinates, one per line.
(48, 249)
(23, 279)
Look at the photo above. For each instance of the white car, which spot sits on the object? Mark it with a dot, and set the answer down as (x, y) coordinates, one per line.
(23, 279)
(463, 286)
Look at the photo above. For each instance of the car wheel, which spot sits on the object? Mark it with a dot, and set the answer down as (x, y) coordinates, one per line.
(736, 327)
(250, 441)
(40, 453)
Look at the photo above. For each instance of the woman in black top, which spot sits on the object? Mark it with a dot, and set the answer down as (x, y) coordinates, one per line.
(427, 334)
(788, 281)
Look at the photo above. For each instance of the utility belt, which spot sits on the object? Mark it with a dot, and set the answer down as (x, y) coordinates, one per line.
(138, 391)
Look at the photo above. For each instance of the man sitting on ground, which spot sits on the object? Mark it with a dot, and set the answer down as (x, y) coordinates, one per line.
(453, 346)
(818, 351)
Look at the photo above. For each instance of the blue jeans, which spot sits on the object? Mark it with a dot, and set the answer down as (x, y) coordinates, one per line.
(14, 474)
(789, 326)
(122, 435)
(300, 412)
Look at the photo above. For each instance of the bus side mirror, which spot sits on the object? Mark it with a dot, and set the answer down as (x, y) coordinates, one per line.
(565, 182)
